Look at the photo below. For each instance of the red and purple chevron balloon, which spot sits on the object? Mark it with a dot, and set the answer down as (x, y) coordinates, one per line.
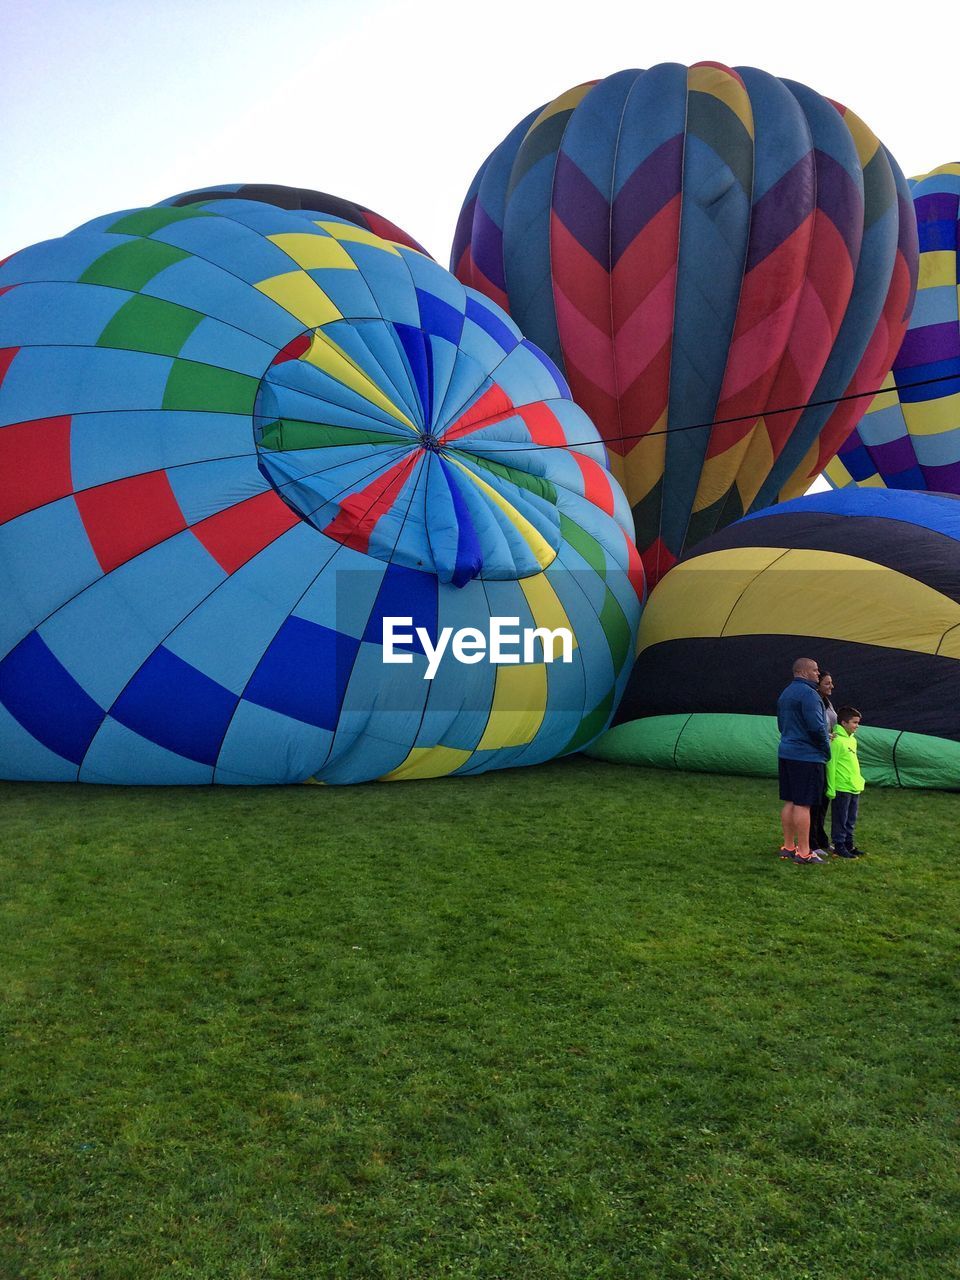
(709, 254)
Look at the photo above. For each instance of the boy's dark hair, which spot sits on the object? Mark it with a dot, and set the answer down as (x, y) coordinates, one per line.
(847, 713)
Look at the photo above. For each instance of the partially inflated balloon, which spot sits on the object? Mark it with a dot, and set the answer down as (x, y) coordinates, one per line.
(910, 436)
(697, 248)
(865, 581)
(235, 442)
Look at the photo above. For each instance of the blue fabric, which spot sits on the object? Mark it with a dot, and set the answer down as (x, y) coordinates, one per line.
(843, 820)
(802, 722)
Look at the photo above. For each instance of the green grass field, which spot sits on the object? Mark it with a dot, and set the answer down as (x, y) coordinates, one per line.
(577, 1021)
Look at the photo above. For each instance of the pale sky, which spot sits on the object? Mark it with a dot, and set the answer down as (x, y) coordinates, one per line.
(112, 104)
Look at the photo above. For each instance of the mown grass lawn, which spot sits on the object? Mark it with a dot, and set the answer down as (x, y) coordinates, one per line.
(577, 1021)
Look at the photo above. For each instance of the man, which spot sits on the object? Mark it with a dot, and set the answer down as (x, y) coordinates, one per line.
(804, 749)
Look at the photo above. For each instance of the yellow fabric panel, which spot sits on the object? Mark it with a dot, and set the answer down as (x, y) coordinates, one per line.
(643, 465)
(950, 644)
(837, 473)
(718, 474)
(302, 297)
(428, 762)
(865, 140)
(728, 88)
(755, 465)
(546, 608)
(566, 102)
(349, 233)
(801, 480)
(851, 599)
(325, 355)
(931, 417)
(542, 550)
(938, 267)
(952, 168)
(887, 397)
(312, 251)
(696, 596)
(519, 703)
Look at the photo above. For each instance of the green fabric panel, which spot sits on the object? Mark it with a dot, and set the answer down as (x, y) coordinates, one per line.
(647, 742)
(616, 629)
(585, 543)
(923, 761)
(144, 222)
(150, 324)
(291, 433)
(875, 751)
(736, 744)
(535, 484)
(132, 265)
(590, 725)
(201, 387)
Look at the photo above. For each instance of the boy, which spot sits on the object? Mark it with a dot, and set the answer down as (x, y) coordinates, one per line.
(845, 783)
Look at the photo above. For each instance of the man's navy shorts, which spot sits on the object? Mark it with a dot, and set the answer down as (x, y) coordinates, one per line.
(801, 782)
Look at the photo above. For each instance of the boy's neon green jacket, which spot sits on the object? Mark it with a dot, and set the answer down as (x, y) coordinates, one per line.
(843, 767)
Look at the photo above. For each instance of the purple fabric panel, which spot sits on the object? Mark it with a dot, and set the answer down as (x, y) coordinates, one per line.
(779, 212)
(938, 206)
(651, 185)
(487, 244)
(838, 197)
(582, 209)
(943, 479)
(932, 342)
(895, 455)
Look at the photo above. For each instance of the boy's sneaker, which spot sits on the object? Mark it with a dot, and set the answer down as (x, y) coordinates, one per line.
(858, 853)
(806, 858)
(845, 853)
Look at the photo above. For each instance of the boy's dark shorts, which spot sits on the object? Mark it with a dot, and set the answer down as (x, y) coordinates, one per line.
(801, 782)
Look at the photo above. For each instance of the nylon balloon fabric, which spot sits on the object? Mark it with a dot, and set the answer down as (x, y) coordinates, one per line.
(697, 248)
(865, 581)
(236, 440)
(910, 436)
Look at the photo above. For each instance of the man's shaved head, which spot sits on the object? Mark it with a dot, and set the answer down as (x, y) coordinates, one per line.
(806, 668)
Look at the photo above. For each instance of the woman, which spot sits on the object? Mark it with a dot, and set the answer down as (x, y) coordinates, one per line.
(819, 840)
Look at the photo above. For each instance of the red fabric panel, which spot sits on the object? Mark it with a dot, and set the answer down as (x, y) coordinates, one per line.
(237, 534)
(360, 511)
(541, 422)
(596, 483)
(126, 517)
(34, 465)
(6, 359)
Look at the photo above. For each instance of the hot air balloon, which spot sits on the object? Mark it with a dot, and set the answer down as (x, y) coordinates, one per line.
(301, 198)
(866, 581)
(712, 256)
(255, 465)
(910, 435)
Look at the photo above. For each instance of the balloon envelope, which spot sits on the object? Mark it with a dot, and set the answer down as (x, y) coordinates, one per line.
(703, 251)
(910, 436)
(234, 440)
(865, 581)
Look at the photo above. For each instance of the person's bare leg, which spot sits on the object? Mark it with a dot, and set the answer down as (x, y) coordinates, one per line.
(801, 822)
(788, 822)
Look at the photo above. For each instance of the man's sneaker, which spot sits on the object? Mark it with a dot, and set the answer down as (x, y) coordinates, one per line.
(806, 858)
(785, 852)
